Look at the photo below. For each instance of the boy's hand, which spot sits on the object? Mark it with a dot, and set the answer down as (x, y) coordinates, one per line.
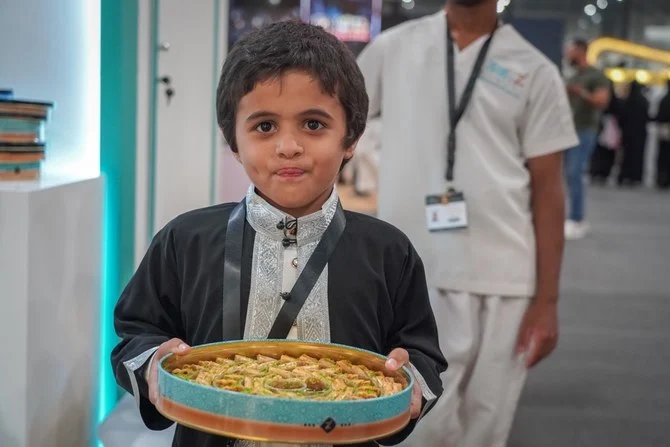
(397, 359)
(174, 346)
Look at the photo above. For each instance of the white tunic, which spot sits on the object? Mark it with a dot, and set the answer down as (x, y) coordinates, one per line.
(519, 110)
(279, 268)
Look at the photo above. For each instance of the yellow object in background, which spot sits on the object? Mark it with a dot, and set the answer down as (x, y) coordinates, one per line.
(626, 48)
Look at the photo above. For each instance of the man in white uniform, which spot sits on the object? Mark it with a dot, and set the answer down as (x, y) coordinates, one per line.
(366, 160)
(362, 170)
(490, 229)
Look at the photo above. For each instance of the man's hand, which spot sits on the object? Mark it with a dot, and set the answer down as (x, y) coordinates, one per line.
(538, 334)
(174, 346)
(599, 99)
(397, 359)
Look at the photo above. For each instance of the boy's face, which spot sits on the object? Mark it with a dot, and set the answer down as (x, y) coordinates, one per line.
(289, 138)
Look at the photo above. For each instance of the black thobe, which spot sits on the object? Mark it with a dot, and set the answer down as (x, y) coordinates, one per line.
(663, 159)
(377, 300)
(634, 119)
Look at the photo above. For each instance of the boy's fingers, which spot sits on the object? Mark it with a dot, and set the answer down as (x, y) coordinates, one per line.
(175, 343)
(397, 359)
(174, 346)
(181, 348)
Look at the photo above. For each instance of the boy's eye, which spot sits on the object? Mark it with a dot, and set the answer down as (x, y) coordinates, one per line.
(265, 127)
(314, 125)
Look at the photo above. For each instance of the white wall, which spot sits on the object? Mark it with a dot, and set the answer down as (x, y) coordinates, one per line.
(143, 129)
(186, 167)
(51, 51)
(185, 124)
(231, 181)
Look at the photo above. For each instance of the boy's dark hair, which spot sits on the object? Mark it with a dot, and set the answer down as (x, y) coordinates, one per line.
(291, 45)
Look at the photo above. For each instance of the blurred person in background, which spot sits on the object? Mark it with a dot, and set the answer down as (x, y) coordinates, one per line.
(634, 119)
(608, 143)
(589, 92)
(362, 171)
(475, 120)
(663, 160)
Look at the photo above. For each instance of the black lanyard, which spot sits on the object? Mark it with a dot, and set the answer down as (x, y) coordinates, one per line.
(294, 300)
(455, 114)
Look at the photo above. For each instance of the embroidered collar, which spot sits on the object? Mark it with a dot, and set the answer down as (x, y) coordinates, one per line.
(264, 218)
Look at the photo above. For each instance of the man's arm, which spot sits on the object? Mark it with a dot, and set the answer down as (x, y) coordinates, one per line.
(599, 99)
(548, 208)
(538, 334)
(547, 129)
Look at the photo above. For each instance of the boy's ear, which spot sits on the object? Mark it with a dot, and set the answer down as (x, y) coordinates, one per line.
(350, 151)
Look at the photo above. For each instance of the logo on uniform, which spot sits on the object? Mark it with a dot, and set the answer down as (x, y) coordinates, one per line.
(505, 79)
(520, 79)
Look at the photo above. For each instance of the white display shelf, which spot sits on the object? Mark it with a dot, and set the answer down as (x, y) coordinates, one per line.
(50, 286)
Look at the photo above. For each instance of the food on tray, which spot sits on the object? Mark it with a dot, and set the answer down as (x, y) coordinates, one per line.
(304, 377)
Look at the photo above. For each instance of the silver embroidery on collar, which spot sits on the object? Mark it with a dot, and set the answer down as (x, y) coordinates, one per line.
(263, 217)
(267, 266)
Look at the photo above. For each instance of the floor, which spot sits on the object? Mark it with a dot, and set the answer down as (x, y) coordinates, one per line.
(608, 383)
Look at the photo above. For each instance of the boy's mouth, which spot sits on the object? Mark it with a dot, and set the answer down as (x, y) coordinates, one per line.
(290, 172)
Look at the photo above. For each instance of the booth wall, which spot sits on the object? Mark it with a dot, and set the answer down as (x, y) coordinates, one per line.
(179, 145)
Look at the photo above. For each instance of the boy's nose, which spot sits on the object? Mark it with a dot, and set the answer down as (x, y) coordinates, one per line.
(288, 146)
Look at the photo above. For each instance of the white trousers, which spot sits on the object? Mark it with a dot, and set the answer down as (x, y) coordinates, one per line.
(483, 383)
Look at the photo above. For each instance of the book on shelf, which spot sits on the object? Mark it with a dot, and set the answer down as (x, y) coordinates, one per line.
(19, 171)
(29, 109)
(22, 144)
(19, 137)
(21, 157)
(21, 147)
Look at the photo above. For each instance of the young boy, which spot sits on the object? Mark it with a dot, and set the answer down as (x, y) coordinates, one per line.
(292, 104)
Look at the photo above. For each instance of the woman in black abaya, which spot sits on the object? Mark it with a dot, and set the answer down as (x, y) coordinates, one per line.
(663, 160)
(634, 119)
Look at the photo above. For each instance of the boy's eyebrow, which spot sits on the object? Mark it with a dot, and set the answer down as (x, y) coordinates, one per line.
(261, 114)
(318, 112)
(309, 112)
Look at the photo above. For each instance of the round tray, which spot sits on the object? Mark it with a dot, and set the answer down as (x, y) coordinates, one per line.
(274, 419)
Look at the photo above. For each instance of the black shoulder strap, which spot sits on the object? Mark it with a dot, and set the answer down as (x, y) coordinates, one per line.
(232, 273)
(308, 277)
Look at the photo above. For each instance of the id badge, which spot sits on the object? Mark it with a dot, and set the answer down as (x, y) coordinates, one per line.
(446, 212)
